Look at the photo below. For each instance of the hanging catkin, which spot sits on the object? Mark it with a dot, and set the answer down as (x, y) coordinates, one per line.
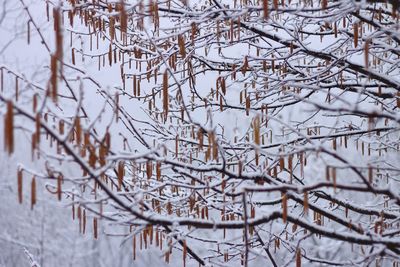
(120, 174)
(112, 27)
(184, 253)
(256, 130)
(165, 94)
(73, 56)
(181, 44)
(149, 169)
(9, 128)
(58, 34)
(275, 4)
(34, 103)
(19, 177)
(134, 85)
(366, 53)
(245, 66)
(398, 100)
(247, 106)
(84, 222)
(53, 78)
(284, 207)
(324, 4)
(123, 17)
(355, 35)
(95, 228)
(33, 192)
(110, 54)
(223, 85)
(298, 257)
(58, 55)
(59, 189)
(193, 32)
(265, 8)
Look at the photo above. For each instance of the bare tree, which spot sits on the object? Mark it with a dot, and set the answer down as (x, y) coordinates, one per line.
(237, 132)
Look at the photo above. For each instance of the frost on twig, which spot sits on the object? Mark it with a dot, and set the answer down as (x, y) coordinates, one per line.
(31, 258)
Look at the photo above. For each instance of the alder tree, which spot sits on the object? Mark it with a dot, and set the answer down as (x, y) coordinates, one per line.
(215, 132)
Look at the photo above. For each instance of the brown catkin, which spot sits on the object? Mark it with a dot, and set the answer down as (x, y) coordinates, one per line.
(33, 192)
(110, 54)
(193, 32)
(112, 27)
(123, 17)
(245, 66)
(181, 44)
(33, 145)
(290, 167)
(59, 189)
(298, 257)
(398, 100)
(84, 221)
(61, 127)
(95, 228)
(71, 18)
(334, 178)
(53, 78)
(223, 86)
(58, 33)
(256, 130)
(149, 169)
(34, 103)
(9, 128)
(37, 126)
(184, 253)
(165, 94)
(265, 9)
(134, 85)
(327, 173)
(58, 55)
(247, 106)
(73, 56)
(324, 4)
(355, 29)
(284, 208)
(120, 174)
(19, 177)
(79, 214)
(275, 4)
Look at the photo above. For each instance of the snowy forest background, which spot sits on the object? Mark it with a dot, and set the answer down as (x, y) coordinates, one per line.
(199, 133)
